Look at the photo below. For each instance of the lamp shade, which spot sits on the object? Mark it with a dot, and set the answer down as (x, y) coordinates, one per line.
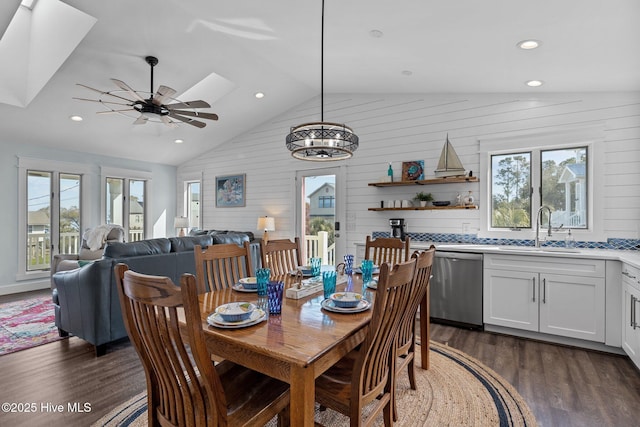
(181, 222)
(266, 223)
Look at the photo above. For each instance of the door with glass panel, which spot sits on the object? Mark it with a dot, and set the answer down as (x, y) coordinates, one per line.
(53, 217)
(320, 214)
(125, 206)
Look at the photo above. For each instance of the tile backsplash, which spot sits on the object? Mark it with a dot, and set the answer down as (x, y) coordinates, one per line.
(472, 239)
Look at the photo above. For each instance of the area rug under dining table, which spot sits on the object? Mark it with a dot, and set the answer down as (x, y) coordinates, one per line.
(457, 390)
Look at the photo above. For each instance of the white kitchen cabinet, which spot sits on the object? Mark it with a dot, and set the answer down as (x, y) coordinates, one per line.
(558, 296)
(630, 320)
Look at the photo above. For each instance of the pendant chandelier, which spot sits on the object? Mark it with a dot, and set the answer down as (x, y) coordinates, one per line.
(322, 141)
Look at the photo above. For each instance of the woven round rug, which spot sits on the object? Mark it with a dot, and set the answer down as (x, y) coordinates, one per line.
(457, 390)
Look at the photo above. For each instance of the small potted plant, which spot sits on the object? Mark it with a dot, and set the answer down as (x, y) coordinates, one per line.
(423, 198)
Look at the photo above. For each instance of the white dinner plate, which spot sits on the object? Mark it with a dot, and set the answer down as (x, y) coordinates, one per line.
(257, 316)
(330, 306)
(238, 287)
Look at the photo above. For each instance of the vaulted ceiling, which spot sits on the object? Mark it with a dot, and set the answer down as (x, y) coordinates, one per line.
(226, 51)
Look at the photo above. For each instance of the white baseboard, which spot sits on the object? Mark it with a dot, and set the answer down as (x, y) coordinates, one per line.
(17, 288)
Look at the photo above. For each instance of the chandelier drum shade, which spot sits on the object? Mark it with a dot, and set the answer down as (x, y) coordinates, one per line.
(322, 141)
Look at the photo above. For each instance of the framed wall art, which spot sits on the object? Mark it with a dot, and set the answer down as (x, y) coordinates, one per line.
(230, 191)
(413, 171)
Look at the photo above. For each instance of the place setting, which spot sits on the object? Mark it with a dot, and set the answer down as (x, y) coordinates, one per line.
(345, 302)
(246, 284)
(341, 302)
(236, 315)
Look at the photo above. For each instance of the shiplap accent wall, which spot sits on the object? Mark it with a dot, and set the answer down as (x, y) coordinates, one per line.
(396, 128)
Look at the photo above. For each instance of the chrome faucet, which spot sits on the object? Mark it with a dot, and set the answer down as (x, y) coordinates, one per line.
(538, 224)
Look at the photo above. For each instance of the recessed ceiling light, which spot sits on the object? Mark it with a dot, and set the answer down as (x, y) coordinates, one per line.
(259, 95)
(75, 118)
(407, 73)
(178, 141)
(376, 33)
(534, 83)
(529, 44)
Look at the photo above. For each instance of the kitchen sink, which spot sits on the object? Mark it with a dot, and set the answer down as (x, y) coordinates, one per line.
(520, 248)
(540, 249)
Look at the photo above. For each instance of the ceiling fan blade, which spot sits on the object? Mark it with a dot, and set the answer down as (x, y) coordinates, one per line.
(100, 101)
(116, 111)
(163, 93)
(210, 116)
(190, 104)
(187, 120)
(122, 85)
(104, 93)
(141, 120)
(167, 121)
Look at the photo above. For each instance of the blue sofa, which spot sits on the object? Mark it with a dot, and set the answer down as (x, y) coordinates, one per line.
(86, 299)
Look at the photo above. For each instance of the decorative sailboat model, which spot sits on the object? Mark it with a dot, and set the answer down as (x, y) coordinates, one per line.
(449, 163)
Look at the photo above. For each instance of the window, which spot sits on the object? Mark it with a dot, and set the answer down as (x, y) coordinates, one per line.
(558, 176)
(50, 213)
(125, 201)
(511, 190)
(326, 202)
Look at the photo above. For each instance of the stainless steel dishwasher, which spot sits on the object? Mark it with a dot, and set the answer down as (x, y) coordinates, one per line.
(456, 289)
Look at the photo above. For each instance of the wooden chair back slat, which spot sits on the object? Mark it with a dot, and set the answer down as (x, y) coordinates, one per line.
(221, 266)
(387, 249)
(281, 256)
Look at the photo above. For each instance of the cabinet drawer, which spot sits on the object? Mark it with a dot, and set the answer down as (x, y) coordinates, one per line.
(631, 276)
(546, 264)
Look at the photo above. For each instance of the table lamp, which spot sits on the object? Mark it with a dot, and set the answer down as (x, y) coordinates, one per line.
(181, 222)
(267, 224)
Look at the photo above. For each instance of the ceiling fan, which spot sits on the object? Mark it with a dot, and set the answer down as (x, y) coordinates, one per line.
(152, 108)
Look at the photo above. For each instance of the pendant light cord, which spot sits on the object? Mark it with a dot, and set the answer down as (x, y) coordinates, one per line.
(322, 67)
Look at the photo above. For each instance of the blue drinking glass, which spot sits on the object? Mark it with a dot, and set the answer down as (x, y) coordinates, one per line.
(367, 270)
(348, 264)
(315, 266)
(328, 283)
(275, 291)
(262, 277)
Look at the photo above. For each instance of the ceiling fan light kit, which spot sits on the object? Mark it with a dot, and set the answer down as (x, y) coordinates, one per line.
(151, 106)
(322, 141)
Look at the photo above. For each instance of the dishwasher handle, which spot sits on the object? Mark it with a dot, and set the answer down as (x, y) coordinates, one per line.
(458, 255)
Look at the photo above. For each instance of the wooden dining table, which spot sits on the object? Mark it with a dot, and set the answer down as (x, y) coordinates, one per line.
(295, 346)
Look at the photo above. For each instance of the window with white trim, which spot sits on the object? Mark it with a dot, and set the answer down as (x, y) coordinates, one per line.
(523, 181)
(125, 201)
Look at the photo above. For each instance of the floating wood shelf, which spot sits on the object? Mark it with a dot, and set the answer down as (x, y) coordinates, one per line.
(447, 180)
(426, 208)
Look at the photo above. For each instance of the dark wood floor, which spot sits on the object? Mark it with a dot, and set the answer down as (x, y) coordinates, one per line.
(563, 386)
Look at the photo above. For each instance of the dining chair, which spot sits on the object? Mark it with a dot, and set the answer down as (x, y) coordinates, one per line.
(221, 266)
(387, 249)
(366, 375)
(281, 256)
(406, 340)
(184, 390)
